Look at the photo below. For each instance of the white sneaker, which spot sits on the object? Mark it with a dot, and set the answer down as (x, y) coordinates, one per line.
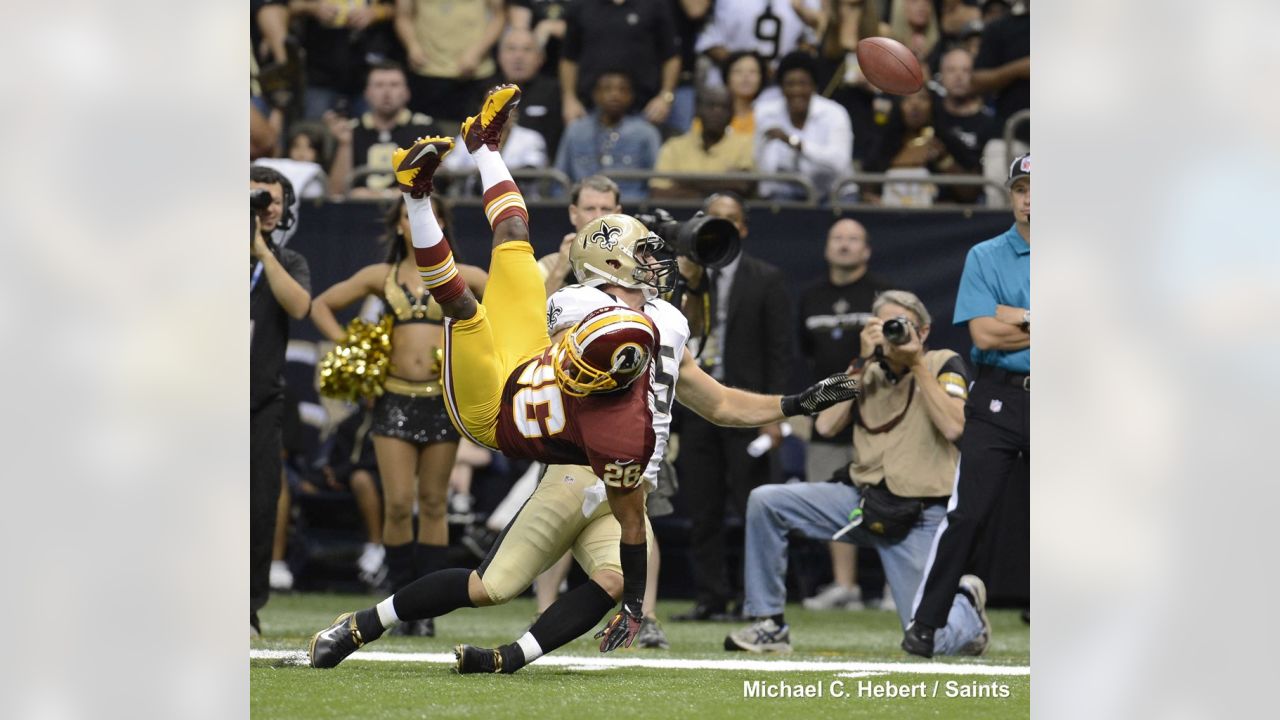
(371, 559)
(761, 636)
(281, 578)
(972, 587)
(834, 596)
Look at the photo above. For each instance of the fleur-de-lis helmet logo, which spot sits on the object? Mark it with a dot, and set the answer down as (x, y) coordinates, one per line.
(606, 236)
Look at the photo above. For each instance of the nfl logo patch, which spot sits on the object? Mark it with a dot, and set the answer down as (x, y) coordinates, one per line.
(996, 406)
(1026, 164)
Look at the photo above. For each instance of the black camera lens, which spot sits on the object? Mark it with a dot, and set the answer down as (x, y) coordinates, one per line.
(259, 199)
(710, 241)
(897, 330)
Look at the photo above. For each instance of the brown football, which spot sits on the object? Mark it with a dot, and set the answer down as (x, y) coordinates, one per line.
(889, 65)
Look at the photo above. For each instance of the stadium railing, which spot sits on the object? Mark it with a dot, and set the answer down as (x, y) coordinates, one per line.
(837, 198)
(543, 176)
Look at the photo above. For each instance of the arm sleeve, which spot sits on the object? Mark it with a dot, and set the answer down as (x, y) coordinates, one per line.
(976, 297)
(954, 377)
(297, 267)
(668, 40)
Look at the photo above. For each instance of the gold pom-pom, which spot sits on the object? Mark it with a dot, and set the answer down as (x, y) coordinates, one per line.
(357, 367)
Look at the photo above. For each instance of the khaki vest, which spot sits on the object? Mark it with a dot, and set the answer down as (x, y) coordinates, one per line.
(914, 458)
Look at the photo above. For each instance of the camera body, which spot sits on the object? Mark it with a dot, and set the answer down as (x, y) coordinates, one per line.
(709, 241)
(259, 200)
(897, 330)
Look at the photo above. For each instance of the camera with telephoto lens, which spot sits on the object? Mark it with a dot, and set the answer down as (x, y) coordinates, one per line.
(709, 241)
(259, 200)
(897, 330)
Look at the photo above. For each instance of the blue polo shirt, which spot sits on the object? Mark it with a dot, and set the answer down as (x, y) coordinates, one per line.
(996, 272)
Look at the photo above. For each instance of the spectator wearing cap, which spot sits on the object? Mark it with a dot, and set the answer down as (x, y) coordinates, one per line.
(802, 132)
(995, 301)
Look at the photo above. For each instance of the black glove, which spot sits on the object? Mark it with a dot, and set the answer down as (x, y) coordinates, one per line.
(821, 395)
(622, 629)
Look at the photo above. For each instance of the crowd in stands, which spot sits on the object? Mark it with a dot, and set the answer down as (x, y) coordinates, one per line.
(613, 86)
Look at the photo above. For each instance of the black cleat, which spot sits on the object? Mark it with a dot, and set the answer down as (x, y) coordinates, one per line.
(472, 659)
(918, 640)
(333, 644)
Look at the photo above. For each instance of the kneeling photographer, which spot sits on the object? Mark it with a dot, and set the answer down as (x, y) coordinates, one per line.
(891, 497)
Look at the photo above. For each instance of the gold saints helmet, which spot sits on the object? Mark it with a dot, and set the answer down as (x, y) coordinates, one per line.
(620, 250)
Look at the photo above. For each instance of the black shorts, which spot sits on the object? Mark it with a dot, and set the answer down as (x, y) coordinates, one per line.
(417, 419)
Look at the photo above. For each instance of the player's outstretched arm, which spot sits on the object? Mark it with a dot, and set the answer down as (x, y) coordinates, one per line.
(731, 407)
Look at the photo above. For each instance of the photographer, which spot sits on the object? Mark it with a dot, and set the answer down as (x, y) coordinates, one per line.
(279, 283)
(892, 498)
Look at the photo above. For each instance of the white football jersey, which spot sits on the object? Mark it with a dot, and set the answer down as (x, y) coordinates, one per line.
(571, 303)
(770, 27)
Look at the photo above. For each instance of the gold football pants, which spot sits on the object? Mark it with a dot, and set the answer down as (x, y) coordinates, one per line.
(548, 525)
(481, 352)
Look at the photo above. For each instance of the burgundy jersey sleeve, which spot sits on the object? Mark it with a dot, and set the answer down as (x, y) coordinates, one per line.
(617, 433)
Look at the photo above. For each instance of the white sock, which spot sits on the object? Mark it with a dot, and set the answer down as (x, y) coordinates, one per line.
(422, 222)
(493, 169)
(532, 651)
(387, 613)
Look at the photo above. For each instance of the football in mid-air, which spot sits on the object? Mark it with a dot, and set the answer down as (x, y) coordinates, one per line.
(889, 65)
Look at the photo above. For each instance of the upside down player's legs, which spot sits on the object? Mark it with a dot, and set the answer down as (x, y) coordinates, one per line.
(516, 301)
(473, 377)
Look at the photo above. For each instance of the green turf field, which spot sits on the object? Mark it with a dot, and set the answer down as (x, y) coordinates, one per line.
(424, 687)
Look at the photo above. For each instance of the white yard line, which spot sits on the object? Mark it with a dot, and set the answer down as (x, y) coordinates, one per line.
(299, 657)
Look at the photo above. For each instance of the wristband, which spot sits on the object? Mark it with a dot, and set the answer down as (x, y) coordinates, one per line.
(791, 405)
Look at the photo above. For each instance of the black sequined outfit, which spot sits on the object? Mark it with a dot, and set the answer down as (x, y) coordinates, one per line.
(419, 420)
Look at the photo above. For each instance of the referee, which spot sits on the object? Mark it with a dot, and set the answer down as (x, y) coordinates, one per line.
(995, 300)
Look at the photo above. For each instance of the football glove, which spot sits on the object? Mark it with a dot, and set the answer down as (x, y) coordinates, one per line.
(622, 629)
(821, 395)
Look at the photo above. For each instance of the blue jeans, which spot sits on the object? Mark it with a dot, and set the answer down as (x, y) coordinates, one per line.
(818, 511)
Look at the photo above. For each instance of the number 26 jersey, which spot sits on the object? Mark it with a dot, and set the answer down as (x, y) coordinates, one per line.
(572, 303)
(613, 432)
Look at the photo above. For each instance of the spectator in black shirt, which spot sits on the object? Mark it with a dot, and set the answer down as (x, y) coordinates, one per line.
(832, 313)
(279, 289)
(519, 60)
(1003, 67)
(963, 122)
(636, 37)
